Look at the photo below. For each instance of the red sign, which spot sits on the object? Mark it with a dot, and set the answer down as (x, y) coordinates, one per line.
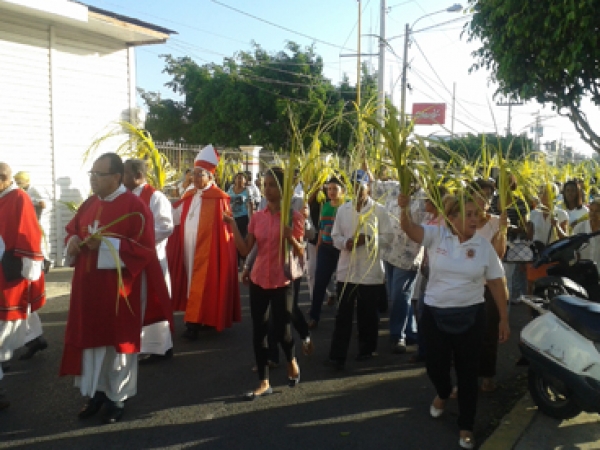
(429, 113)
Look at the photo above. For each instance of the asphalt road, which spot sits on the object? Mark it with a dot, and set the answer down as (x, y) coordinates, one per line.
(194, 399)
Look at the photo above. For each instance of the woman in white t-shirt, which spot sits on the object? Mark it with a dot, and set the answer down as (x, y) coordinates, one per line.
(453, 322)
(545, 227)
(573, 203)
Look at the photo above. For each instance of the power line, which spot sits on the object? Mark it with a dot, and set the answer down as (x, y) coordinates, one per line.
(289, 30)
(441, 81)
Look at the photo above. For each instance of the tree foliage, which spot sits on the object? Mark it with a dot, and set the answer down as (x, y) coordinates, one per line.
(469, 147)
(546, 50)
(247, 99)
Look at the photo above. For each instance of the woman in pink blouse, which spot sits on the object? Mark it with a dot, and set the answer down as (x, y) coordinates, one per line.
(270, 288)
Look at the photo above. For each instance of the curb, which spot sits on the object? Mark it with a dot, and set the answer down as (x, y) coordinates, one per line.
(512, 426)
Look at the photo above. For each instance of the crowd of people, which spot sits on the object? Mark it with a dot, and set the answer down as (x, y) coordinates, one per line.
(436, 267)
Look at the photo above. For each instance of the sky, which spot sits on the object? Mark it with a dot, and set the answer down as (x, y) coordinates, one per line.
(439, 58)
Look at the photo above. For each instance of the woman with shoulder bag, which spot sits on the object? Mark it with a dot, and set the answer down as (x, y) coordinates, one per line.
(453, 322)
(271, 292)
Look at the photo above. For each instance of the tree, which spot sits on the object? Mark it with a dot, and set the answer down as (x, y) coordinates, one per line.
(469, 146)
(546, 50)
(247, 100)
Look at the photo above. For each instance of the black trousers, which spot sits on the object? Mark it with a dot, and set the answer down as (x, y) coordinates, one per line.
(277, 304)
(489, 349)
(366, 298)
(465, 348)
(298, 321)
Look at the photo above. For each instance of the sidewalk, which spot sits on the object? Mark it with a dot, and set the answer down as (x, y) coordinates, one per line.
(58, 282)
(524, 429)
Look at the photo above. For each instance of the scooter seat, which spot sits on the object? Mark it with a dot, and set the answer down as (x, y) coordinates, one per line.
(582, 315)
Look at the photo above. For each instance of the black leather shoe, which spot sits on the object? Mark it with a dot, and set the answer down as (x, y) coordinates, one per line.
(33, 347)
(93, 405)
(114, 412)
(153, 358)
(336, 364)
(4, 403)
(191, 333)
(365, 356)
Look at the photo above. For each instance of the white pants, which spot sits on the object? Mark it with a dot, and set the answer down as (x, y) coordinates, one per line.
(105, 370)
(156, 338)
(33, 326)
(12, 337)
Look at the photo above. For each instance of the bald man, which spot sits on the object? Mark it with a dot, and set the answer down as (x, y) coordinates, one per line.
(21, 275)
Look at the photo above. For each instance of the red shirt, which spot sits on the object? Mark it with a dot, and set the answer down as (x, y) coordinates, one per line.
(267, 271)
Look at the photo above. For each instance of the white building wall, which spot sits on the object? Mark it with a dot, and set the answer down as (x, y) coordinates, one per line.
(60, 89)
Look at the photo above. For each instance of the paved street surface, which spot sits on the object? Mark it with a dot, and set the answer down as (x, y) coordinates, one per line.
(193, 400)
(581, 432)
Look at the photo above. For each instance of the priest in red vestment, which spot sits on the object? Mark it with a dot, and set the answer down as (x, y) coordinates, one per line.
(102, 337)
(202, 254)
(21, 276)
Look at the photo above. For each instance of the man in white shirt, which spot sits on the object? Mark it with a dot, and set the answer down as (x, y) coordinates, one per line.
(156, 343)
(361, 230)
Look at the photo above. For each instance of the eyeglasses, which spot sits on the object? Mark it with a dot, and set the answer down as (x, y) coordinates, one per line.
(94, 173)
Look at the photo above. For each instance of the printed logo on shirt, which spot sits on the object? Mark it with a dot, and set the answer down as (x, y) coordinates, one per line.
(441, 251)
(471, 253)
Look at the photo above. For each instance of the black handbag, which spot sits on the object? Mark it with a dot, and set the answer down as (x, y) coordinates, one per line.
(455, 320)
(12, 266)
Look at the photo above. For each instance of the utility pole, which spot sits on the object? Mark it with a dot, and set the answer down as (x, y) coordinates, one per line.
(358, 59)
(381, 67)
(404, 67)
(453, 106)
(510, 104)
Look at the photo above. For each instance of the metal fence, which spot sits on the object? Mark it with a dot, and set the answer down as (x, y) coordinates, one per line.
(181, 156)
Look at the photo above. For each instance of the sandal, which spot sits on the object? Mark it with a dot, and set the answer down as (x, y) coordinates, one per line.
(308, 347)
(466, 441)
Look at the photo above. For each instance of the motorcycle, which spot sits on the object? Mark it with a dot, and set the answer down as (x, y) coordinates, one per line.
(562, 344)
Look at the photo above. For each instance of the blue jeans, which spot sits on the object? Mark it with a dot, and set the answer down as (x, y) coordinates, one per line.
(327, 259)
(400, 284)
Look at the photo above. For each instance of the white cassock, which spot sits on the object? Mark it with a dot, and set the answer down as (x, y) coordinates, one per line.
(156, 338)
(13, 333)
(190, 232)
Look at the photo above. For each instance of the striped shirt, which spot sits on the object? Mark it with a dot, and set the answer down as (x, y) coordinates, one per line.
(328, 212)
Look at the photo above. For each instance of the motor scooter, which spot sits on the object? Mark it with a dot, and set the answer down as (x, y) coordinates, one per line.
(563, 343)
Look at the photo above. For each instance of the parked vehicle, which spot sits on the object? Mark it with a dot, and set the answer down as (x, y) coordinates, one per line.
(562, 345)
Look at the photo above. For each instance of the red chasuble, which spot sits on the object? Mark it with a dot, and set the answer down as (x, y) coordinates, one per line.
(214, 298)
(22, 235)
(93, 319)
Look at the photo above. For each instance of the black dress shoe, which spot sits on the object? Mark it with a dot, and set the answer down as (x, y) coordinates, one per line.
(191, 333)
(4, 403)
(365, 356)
(153, 358)
(33, 347)
(93, 405)
(336, 364)
(114, 412)
(249, 396)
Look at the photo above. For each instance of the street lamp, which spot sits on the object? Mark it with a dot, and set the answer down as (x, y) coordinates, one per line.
(408, 30)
